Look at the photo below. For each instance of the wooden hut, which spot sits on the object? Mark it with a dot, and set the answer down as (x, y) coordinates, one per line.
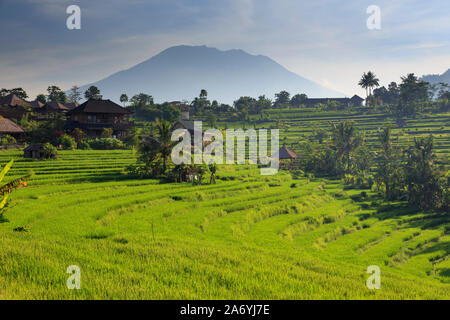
(34, 151)
(286, 157)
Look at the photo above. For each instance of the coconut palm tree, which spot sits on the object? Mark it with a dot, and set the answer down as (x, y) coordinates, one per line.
(124, 99)
(369, 81)
(347, 141)
(165, 142)
(156, 148)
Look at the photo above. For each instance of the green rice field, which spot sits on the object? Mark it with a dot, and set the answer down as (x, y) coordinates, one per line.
(246, 237)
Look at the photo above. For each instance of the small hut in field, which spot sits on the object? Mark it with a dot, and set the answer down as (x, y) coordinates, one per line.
(34, 151)
(286, 157)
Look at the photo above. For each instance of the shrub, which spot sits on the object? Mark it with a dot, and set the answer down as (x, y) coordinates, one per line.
(67, 142)
(83, 145)
(107, 133)
(7, 139)
(106, 144)
(50, 151)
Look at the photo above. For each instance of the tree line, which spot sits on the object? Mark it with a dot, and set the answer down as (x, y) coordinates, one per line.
(409, 173)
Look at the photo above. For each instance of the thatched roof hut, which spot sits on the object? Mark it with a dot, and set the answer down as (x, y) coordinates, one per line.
(9, 127)
(286, 154)
(13, 101)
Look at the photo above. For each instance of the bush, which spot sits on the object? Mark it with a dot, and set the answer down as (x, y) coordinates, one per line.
(107, 133)
(7, 139)
(67, 142)
(106, 144)
(50, 151)
(83, 145)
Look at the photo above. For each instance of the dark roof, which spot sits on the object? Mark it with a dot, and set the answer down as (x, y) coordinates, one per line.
(13, 100)
(54, 106)
(71, 105)
(36, 104)
(34, 147)
(13, 112)
(286, 153)
(99, 106)
(325, 100)
(8, 126)
(356, 97)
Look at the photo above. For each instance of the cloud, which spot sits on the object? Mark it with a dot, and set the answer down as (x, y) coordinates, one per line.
(320, 40)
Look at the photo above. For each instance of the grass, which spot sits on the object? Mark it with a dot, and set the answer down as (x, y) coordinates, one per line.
(246, 237)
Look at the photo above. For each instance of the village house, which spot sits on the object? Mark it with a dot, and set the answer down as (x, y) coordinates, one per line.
(355, 101)
(286, 157)
(35, 104)
(50, 110)
(8, 127)
(94, 116)
(13, 107)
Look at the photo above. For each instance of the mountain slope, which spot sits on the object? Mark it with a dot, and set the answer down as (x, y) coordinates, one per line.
(436, 78)
(180, 73)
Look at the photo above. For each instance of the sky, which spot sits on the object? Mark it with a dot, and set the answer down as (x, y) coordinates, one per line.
(326, 41)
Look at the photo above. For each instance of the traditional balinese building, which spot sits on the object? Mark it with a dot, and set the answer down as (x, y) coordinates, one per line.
(8, 127)
(94, 116)
(51, 110)
(286, 157)
(71, 105)
(355, 101)
(13, 107)
(35, 104)
(13, 101)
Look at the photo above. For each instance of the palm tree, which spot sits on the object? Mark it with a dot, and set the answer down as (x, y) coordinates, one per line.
(363, 83)
(373, 81)
(369, 81)
(156, 148)
(347, 141)
(213, 170)
(166, 144)
(124, 99)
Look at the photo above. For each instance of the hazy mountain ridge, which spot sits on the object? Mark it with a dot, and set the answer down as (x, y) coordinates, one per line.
(436, 78)
(180, 72)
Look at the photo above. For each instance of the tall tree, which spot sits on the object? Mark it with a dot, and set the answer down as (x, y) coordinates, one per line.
(75, 94)
(282, 99)
(93, 93)
(124, 99)
(203, 94)
(298, 99)
(347, 141)
(55, 94)
(414, 93)
(369, 81)
(19, 92)
(41, 98)
(165, 146)
(423, 177)
(389, 166)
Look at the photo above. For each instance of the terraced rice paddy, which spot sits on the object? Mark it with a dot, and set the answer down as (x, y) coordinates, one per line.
(246, 237)
(297, 124)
